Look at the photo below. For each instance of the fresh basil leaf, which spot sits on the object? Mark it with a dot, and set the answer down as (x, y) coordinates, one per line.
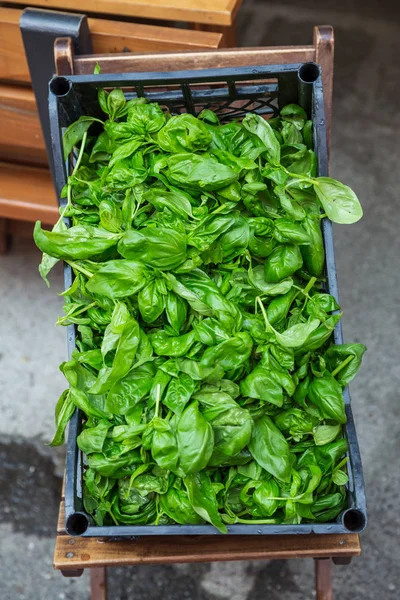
(338, 200)
(202, 498)
(270, 449)
(75, 132)
(259, 127)
(118, 279)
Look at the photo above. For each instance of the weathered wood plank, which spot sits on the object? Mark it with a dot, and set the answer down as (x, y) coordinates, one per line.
(27, 193)
(211, 12)
(90, 552)
(107, 37)
(206, 59)
(21, 136)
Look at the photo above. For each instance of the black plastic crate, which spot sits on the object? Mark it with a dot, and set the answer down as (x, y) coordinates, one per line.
(232, 93)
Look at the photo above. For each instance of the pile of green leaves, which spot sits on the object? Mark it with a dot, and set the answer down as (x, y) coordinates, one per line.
(204, 362)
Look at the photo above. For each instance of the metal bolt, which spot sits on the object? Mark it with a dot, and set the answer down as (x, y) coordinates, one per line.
(69, 555)
(71, 541)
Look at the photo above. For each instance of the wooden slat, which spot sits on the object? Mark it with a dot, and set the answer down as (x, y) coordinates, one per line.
(174, 61)
(88, 552)
(61, 518)
(27, 193)
(20, 229)
(107, 37)
(98, 583)
(4, 236)
(323, 579)
(324, 42)
(21, 136)
(13, 65)
(116, 36)
(213, 12)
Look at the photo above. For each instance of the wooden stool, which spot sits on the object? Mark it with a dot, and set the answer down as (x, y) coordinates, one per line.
(74, 554)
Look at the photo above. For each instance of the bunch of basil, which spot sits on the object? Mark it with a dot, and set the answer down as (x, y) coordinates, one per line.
(204, 362)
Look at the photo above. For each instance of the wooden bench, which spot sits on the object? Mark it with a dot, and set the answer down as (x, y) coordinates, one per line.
(206, 12)
(26, 190)
(108, 37)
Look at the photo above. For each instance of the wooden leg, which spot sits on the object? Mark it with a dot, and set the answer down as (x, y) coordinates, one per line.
(71, 572)
(231, 36)
(323, 578)
(324, 43)
(98, 583)
(341, 560)
(229, 39)
(4, 238)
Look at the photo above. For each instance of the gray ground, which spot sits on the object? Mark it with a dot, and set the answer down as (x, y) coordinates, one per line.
(365, 155)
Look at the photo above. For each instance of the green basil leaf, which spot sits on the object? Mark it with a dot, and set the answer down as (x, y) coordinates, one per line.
(259, 127)
(195, 440)
(283, 262)
(297, 335)
(184, 133)
(174, 200)
(326, 393)
(230, 353)
(176, 504)
(179, 392)
(261, 385)
(151, 301)
(118, 279)
(161, 248)
(338, 200)
(203, 500)
(337, 354)
(340, 478)
(130, 390)
(75, 132)
(115, 103)
(78, 242)
(91, 439)
(324, 434)
(293, 113)
(65, 408)
(176, 311)
(270, 449)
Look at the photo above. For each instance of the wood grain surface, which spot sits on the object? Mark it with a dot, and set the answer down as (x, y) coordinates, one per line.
(27, 193)
(212, 12)
(108, 37)
(206, 59)
(80, 552)
(21, 136)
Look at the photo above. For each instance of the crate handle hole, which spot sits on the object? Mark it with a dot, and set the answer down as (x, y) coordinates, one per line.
(309, 72)
(60, 86)
(354, 520)
(77, 524)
